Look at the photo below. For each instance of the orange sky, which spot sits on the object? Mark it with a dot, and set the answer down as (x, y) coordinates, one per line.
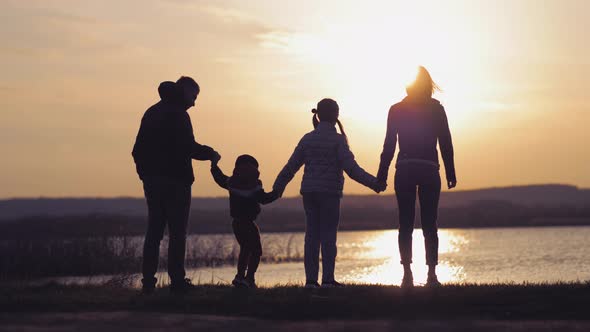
(78, 75)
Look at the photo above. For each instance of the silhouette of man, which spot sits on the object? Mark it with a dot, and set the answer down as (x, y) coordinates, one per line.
(163, 153)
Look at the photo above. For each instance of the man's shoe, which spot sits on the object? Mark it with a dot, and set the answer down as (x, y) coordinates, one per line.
(239, 281)
(332, 284)
(182, 287)
(312, 284)
(148, 285)
(433, 282)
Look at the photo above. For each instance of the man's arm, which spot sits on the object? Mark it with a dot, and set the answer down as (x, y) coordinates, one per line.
(203, 152)
(186, 138)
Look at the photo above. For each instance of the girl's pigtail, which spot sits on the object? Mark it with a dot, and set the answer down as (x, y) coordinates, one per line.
(342, 130)
(315, 120)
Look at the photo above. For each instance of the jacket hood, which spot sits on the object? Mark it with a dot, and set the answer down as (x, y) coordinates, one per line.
(170, 92)
(245, 176)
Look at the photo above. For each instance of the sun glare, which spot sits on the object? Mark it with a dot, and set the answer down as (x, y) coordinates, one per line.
(370, 61)
(389, 271)
(366, 82)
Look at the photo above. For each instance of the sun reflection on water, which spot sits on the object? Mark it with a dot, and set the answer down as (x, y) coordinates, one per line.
(380, 259)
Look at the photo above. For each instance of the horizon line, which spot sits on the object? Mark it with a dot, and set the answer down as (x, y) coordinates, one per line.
(299, 195)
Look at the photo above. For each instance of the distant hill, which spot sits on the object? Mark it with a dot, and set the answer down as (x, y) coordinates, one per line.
(546, 196)
(528, 206)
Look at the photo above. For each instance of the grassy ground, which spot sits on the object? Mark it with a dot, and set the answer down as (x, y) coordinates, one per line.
(362, 302)
(143, 322)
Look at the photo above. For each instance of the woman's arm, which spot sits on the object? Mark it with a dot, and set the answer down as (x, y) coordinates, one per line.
(388, 147)
(446, 148)
(288, 172)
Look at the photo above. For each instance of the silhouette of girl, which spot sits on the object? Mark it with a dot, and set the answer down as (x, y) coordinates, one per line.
(325, 154)
(418, 122)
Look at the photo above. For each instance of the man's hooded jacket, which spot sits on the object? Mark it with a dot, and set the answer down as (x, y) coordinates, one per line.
(165, 144)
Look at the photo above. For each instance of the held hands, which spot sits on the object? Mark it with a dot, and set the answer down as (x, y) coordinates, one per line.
(215, 159)
(275, 195)
(379, 186)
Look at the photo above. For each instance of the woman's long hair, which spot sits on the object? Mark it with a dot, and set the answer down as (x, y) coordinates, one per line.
(423, 87)
(327, 110)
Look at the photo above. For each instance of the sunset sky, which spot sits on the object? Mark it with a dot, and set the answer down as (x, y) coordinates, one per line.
(76, 77)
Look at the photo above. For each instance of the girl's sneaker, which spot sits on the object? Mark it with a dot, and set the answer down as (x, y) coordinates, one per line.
(182, 287)
(239, 281)
(312, 284)
(332, 284)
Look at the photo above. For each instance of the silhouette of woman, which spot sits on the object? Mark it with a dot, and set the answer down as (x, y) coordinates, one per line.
(418, 122)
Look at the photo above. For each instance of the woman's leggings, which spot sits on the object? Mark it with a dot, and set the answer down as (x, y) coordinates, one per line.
(426, 180)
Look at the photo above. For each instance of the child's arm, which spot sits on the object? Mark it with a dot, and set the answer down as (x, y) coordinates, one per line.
(288, 172)
(352, 168)
(218, 176)
(265, 198)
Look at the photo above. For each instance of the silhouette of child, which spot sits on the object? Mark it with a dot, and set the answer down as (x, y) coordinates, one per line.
(245, 196)
(325, 154)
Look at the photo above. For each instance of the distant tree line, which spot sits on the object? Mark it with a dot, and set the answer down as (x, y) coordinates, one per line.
(476, 215)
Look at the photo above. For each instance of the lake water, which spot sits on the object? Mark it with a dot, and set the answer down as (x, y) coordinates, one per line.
(516, 255)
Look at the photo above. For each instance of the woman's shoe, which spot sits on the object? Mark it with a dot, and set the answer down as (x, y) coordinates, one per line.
(332, 284)
(432, 282)
(407, 282)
